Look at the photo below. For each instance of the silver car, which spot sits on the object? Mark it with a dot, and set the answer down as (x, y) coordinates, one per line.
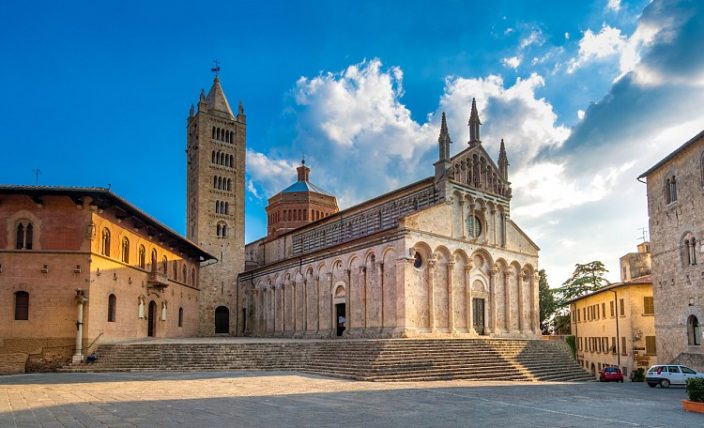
(669, 374)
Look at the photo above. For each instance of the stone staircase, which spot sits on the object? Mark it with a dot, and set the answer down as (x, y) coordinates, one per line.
(368, 360)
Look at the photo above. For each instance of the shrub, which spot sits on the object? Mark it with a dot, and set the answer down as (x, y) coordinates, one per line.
(572, 342)
(695, 389)
(639, 375)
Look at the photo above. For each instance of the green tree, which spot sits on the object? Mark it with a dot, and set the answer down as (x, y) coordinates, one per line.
(547, 300)
(585, 279)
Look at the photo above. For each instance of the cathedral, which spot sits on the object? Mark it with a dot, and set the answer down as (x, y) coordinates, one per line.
(439, 257)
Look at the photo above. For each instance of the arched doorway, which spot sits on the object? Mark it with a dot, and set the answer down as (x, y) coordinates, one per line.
(340, 311)
(593, 370)
(151, 319)
(694, 333)
(222, 320)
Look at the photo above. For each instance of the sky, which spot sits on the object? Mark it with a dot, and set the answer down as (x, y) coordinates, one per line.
(586, 95)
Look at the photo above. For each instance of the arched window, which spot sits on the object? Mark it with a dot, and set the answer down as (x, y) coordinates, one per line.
(224, 230)
(213, 132)
(125, 250)
(694, 332)
(112, 303)
(689, 250)
(164, 265)
(232, 161)
(142, 257)
(474, 226)
(184, 273)
(21, 305)
(154, 259)
(175, 273)
(105, 243)
(24, 235)
(213, 157)
(193, 277)
(232, 137)
(218, 231)
(180, 317)
(229, 184)
(217, 207)
(215, 182)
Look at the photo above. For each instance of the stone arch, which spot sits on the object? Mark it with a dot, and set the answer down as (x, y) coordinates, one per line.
(439, 287)
(299, 302)
(482, 261)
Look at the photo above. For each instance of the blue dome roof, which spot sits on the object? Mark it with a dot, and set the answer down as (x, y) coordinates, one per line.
(305, 186)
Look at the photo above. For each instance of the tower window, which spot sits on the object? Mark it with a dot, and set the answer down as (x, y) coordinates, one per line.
(25, 232)
(671, 190)
(112, 303)
(142, 257)
(21, 305)
(105, 243)
(125, 250)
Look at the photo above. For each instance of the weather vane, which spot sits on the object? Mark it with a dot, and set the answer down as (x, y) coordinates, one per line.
(216, 68)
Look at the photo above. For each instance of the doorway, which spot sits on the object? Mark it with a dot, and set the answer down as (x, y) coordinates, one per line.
(340, 319)
(478, 316)
(151, 319)
(222, 320)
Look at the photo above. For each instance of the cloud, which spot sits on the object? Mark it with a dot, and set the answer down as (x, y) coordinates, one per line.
(272, 175)
(512, 62)
(614, 5)
(535, 37)
(606, 43)
(580, 114)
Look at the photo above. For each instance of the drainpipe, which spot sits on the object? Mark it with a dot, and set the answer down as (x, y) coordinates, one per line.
(81, 299)
(618, 335)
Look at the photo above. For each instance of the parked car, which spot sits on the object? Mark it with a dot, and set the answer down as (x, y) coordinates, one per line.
(670, 374)
(611, 374)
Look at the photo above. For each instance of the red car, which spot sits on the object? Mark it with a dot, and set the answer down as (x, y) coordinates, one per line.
(611, 374)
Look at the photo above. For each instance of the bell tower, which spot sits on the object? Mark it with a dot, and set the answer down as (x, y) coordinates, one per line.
(215, 152)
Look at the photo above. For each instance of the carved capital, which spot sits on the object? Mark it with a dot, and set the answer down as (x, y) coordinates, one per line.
(431, 262)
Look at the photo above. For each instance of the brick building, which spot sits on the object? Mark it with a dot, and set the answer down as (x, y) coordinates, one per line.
(675, 208)
(79, 266)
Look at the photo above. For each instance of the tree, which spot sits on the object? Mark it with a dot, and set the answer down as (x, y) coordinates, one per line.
(585, 279)
(547, 300)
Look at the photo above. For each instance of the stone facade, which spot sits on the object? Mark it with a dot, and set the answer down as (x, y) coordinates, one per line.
(93, 241)
(675, 207)
(628, 340)
(216, 140)
(439, 257)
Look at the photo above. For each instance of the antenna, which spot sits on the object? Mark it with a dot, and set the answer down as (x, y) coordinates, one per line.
(36, 172)
(216, 67)
(643, 234)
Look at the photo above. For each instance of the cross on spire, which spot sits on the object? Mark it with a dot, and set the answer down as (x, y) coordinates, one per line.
(216, 67)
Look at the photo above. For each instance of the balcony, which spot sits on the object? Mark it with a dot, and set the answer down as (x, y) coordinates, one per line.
(158, 280)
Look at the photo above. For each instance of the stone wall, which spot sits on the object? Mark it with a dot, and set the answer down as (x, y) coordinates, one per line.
(678, 285)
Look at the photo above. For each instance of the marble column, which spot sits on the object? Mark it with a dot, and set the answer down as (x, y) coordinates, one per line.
(431, 297)
(468, 298)
(450, 297)
(381, 289)
(363, 296)
(492, 298)
(520, 281)
(507, 300)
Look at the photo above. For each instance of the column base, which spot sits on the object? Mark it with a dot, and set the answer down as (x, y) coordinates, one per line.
(77, 359)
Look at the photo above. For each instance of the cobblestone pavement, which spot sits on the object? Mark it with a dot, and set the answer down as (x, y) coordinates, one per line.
(273, 399)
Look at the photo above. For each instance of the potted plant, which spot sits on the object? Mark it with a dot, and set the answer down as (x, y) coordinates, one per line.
(639, 375)
(695, 392)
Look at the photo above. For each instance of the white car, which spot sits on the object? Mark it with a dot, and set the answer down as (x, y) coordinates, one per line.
(669, 374)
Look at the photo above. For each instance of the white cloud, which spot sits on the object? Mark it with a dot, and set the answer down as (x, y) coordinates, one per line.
(606, 43)
(535, 37)
(272, 175)
(567, 36)
(580, 114)
(514, 113)
(614, 5)
(512, 62)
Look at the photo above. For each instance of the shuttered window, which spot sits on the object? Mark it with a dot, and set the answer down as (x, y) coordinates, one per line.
(648, 306)
(650, 345)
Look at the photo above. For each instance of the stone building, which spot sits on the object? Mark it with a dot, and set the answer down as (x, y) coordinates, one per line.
(627, 340)
(438, 257)
(80, 266)
(215, 151)
(675, 207)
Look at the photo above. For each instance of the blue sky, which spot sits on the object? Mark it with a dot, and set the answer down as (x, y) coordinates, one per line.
(587, 95)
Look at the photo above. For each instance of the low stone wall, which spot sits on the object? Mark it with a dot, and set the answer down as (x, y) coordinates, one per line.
(35, 355)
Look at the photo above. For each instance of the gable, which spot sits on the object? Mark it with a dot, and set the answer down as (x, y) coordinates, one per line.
(473, 167)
